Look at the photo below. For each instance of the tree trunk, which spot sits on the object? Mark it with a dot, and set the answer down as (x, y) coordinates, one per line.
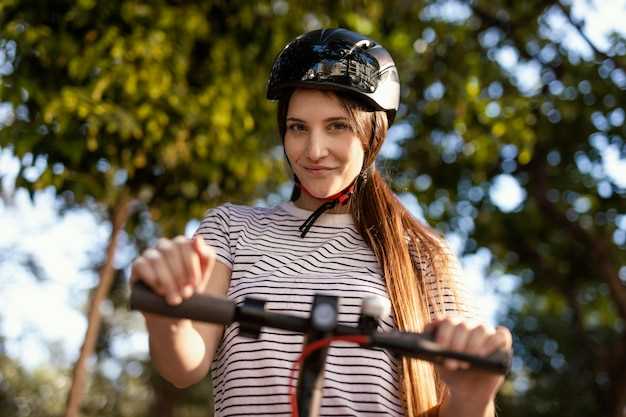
(600, 252)
(618, 380)
(119, 217)
(620, 398)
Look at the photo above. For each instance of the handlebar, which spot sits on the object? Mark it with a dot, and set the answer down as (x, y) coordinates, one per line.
(219, 310)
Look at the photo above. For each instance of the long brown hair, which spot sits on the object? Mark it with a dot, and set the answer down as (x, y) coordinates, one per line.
(406, 250)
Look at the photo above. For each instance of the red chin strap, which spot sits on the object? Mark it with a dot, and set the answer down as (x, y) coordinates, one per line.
(342, 196)
(330, 202)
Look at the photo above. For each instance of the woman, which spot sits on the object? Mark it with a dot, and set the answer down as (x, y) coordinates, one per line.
(344, 233)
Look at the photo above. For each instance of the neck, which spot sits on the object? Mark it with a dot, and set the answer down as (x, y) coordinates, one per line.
(310, 203)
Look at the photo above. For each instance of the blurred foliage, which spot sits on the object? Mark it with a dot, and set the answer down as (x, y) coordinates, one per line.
(475, 122)
(157, 98)
(166, 100)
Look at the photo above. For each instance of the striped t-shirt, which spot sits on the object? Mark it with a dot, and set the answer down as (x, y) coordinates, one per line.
(269, 260)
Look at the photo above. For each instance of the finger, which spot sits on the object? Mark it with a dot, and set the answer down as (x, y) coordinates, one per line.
(171, 256)
(430, 329)
(443, 336)
(142, 271)
(458, 341)
(501, 339)
(163, 275)
(197, 244)
(506, 334)
(475, 341)
(185, 252)
(443, 330)
(207, 259)
(432, 325)
(197, 270)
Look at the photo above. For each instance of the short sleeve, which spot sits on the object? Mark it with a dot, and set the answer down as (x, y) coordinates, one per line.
(446, 290)
(215, 230)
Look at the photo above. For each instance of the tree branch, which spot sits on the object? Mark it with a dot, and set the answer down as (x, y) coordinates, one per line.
(580, 28)
(79, 374)
(505, 26)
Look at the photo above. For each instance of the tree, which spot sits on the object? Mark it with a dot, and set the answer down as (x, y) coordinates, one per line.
(159, 109)
(475, 123)
(134, 106)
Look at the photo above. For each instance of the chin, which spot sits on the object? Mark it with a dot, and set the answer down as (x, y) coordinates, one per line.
(321, 191)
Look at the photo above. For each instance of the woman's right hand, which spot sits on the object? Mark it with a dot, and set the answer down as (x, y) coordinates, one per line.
(175, 269)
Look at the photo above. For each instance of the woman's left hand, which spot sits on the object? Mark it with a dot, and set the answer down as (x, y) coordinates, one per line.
(462, 335)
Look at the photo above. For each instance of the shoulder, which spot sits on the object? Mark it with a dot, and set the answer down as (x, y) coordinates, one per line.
(444, 280)
(237, 213)
(433, 256)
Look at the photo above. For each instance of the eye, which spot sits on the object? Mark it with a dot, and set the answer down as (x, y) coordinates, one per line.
(339, 126)
(296, 127)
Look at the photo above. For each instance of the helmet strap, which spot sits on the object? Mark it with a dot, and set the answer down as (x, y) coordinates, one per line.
(342, 198)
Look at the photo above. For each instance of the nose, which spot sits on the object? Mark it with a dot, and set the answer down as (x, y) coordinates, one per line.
(316, 148)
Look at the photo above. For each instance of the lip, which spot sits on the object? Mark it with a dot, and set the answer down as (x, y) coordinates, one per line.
(316, 167)
(317, 170)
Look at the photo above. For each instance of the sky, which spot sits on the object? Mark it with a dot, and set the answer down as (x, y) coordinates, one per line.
(34, 313)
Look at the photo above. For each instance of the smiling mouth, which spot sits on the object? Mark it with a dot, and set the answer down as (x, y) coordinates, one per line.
(318, 171)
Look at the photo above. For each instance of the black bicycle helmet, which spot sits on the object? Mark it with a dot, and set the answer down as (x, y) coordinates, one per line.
(338, 59)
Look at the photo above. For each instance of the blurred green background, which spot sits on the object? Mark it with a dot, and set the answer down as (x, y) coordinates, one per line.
(510, 140)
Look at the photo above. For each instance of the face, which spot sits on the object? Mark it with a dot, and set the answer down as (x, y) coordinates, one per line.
(324, 151)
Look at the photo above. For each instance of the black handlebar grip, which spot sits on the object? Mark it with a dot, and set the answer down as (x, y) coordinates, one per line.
(499, 361)
(198, 307)
(422, 346)
(502, 360)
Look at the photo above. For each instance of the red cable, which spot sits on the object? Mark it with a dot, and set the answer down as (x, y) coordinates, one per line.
(306, 351)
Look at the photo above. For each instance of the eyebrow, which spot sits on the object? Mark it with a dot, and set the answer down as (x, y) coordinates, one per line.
(329, 119)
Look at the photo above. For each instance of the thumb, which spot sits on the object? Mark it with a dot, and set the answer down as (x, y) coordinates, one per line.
(201, 247)
(207, 257)
(430, 329)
